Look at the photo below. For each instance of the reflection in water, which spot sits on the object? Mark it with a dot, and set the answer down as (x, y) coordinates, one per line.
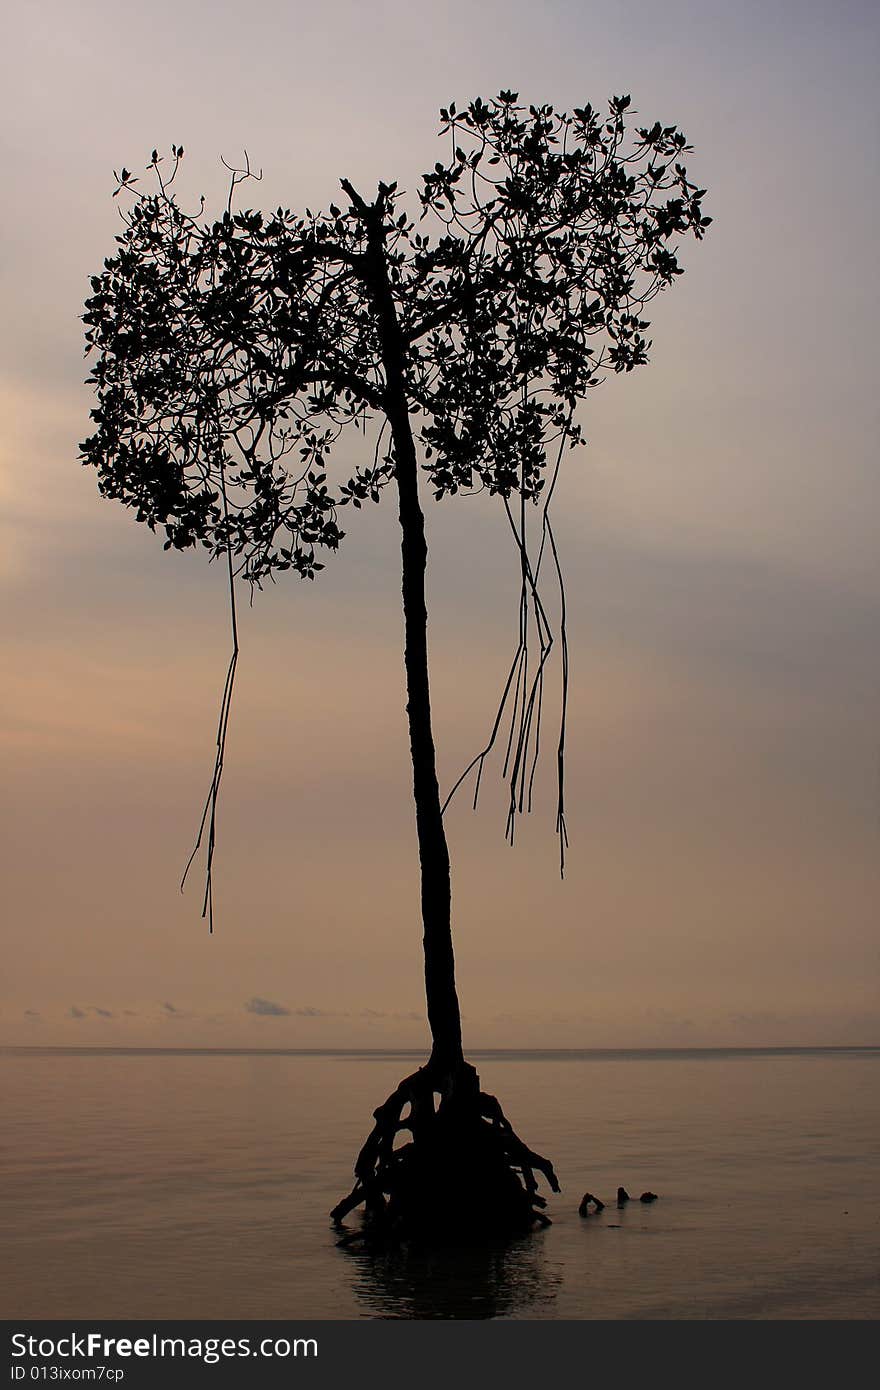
(499, 1280)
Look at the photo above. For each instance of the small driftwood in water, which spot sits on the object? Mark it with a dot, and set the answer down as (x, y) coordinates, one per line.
(648, 1197)
(586, 1201)
(622, 1196)
(463, 1171)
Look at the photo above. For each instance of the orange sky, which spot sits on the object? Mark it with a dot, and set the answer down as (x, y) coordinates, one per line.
(720, 539)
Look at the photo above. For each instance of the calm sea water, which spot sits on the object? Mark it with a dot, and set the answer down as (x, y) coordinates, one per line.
(192, 1184)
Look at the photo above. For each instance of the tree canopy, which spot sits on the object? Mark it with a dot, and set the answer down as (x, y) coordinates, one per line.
(231, 354)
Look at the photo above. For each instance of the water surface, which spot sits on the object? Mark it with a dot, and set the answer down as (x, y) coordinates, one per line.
(159, 1184)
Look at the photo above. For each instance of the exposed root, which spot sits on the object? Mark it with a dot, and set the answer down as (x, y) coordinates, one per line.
(586, 1201)
(463, 1171)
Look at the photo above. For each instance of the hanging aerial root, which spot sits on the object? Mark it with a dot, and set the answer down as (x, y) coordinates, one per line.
(463, 1171)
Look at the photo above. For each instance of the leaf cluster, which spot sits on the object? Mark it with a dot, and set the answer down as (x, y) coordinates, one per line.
(230, 354)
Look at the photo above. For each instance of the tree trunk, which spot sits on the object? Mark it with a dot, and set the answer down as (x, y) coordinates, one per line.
(444, 1015)
(464, 1173)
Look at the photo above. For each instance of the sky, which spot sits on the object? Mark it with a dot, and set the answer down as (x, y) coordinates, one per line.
(719, 537)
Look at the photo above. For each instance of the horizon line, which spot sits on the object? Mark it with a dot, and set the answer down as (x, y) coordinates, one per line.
(392, 1052)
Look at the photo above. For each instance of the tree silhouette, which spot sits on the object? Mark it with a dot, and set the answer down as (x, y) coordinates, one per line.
(231, 356)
